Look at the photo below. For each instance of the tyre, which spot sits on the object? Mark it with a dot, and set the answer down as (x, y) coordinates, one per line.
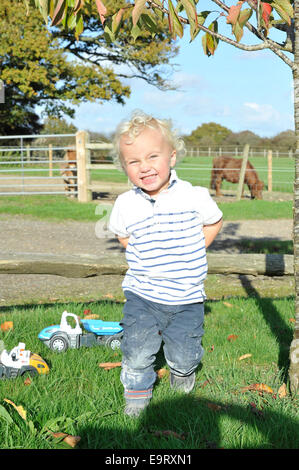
(29, 371)
(114, 342)
(58, 343)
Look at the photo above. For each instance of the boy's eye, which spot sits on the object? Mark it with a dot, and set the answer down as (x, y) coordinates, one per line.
(153, 156)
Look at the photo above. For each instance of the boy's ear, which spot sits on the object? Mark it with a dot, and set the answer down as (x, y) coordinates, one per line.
(173, 158)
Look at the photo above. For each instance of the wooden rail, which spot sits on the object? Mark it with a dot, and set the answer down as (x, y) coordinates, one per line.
(81, 266)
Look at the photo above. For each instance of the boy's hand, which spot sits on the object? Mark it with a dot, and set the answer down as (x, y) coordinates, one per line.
(123, 241)
(210, 231)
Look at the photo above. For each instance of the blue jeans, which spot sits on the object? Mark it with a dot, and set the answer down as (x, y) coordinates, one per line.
(146, 324)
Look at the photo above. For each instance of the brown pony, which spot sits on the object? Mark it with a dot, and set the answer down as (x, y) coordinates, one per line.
(68, 172)
(228, 168)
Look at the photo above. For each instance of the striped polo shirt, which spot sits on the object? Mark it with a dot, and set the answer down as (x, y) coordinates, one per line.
(166, 251)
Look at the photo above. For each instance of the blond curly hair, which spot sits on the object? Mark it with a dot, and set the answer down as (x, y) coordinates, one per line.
(136, 124)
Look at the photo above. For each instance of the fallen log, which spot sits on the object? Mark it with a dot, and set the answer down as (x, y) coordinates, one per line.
(81, 266)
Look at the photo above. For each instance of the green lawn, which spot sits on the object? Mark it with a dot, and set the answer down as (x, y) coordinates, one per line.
(80, 398)
(58, 207)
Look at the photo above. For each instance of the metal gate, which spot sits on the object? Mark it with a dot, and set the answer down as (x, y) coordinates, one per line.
(31, 164)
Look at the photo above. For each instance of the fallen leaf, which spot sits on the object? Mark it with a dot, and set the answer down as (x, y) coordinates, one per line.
(67, 438)
(214, 407)
(7, 325)
(205, 383)
(245, 356)
(27, 381)
(92, 316)
(108, 296)
(162, 373)
(72, 440)
(258, 387)
(19, 409)
(169, 434)
(232, 337)
(292, 320)
(282, 391)
(212, 348)
(86, 311)
(227, 304)
(109, 365)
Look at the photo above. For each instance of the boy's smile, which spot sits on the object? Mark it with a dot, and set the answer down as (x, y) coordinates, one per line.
(148, 159)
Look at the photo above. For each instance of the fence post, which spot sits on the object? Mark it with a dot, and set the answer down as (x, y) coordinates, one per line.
(83, 157)
(28, 152)
(50, 160)
(242, 172)
(269, 170)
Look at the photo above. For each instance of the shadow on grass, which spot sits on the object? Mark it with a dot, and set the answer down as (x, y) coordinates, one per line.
(279, 328)
(190, 422)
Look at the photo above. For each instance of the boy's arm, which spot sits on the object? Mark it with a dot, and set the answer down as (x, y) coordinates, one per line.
(210, 231)
(123, 241)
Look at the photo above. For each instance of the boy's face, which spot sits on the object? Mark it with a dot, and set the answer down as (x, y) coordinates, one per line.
(147, 160)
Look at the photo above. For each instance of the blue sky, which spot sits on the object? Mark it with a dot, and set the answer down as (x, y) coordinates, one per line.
(237, 89)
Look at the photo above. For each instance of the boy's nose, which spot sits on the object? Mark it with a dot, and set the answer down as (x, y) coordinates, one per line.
(144, 167)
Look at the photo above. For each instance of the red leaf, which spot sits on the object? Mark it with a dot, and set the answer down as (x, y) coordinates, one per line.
(102, 10)
(232, 337)
(234, 12)
(266, 12)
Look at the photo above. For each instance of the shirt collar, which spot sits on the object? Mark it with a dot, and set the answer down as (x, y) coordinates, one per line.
(172, 180)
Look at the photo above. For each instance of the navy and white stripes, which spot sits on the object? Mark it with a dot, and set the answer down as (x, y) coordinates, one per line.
(166, 250)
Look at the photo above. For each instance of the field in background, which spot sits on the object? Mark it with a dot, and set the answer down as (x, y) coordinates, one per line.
(197, 170)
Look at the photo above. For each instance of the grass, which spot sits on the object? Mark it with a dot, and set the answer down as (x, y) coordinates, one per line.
(60, 208)
(79, 398)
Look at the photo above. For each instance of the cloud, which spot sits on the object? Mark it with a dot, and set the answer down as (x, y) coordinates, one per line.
(261, 113)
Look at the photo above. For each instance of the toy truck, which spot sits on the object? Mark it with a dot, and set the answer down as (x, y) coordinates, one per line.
(18, 361)
(61, 337)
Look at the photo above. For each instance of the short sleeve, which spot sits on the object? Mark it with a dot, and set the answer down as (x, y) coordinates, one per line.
(116, 222)
(206, 206)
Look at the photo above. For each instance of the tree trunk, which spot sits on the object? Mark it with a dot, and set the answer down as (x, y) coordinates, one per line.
(294, 353)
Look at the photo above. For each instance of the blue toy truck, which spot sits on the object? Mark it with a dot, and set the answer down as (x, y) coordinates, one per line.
(61, 337)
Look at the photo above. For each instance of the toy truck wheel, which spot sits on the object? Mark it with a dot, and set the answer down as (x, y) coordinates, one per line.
(58, 344)
(114, 342)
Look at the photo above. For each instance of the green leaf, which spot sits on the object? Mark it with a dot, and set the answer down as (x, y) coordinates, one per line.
(137, 10)
(149, 23)
(175, 26)
(190, 9)
(282, 13)
(5, 415)
(244, 16)
(286, 6)
(43, 8)
(109, 35)
(210, 42)
(71, 21)
(136, 32)
(79, 25)
(194, 29)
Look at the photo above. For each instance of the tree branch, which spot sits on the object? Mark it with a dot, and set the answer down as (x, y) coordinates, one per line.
(266, 43)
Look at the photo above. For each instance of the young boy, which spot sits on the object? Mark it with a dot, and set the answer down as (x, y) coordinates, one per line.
(165, 224)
